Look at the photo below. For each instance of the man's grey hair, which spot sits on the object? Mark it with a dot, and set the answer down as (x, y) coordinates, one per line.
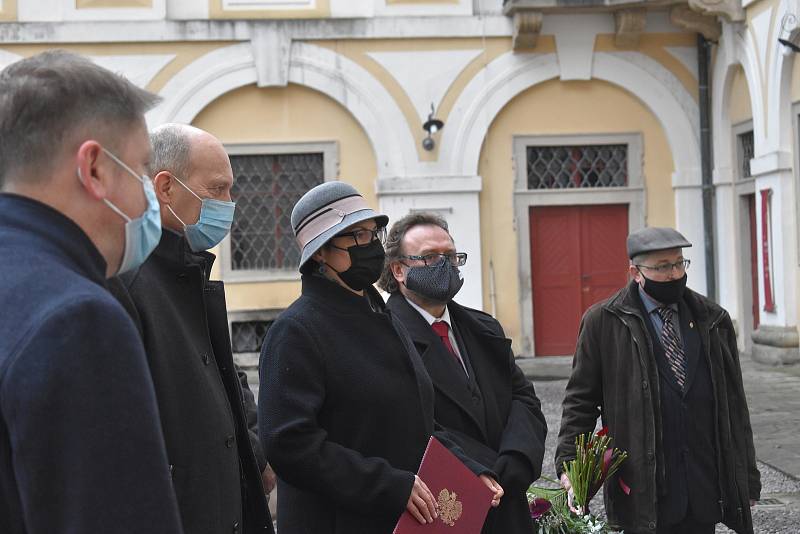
(171, 150)
(394, 244)
(48, 100)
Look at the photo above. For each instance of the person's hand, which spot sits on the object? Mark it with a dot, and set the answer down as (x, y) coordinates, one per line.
(269, 479)
(421, 503)
(495, 487)
(570, 494)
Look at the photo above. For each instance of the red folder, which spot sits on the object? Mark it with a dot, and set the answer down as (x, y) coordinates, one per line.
(464, 499)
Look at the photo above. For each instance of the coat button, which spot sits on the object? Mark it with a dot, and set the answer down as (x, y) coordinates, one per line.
(645, 385)
(235, 527)
(229, 441)
(206, 358)
(650, 456)
(651, 525)
(172, 471)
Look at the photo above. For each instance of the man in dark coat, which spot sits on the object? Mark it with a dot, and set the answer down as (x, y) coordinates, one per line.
(81, 449)
(207, 416)
(660, 364)
(482, 397)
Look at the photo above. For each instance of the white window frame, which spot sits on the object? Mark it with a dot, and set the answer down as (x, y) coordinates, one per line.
(330, 162)
(633, 195)
(737, 130)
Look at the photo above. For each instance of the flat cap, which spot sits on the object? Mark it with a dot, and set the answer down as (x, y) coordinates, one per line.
(653, 239)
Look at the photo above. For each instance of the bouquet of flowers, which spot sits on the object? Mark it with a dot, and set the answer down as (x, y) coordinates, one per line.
(556, 511)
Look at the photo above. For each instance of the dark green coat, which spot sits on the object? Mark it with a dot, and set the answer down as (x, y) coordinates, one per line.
(614, 373)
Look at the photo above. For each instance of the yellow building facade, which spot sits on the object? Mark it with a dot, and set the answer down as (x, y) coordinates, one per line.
(564, 130)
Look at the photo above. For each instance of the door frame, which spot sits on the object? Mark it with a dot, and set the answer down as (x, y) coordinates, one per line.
(633, 195)
(742, 188)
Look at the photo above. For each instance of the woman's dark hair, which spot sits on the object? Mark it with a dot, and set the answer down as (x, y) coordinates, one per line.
(394, 240)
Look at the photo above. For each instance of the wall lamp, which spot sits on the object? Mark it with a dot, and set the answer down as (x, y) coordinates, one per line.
(789, 27)
(431, 126)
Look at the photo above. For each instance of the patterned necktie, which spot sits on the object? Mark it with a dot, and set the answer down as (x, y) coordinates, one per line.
(672, 345)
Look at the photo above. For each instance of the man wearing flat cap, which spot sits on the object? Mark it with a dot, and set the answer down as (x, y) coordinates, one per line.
(659, 363)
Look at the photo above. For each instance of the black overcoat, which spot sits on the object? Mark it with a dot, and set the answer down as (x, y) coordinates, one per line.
(182, 317)
(345, 412)
(615, 373)
(510, 430)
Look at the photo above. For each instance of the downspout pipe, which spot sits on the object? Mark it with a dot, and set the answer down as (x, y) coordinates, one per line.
(703, 60)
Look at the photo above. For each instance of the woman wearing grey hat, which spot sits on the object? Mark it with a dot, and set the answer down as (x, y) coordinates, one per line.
(345, 404)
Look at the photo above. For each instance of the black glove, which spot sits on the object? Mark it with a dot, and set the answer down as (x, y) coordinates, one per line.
(515, 472)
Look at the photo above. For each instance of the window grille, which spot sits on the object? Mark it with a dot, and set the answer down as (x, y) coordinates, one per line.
(266, 187)
(746, 149)
(247, 336)
(567, 167)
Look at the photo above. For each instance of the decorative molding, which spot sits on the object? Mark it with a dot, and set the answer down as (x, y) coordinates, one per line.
(527, 25)
(687, 55)
(425, 75)
(707, 25)
(226, 69)
(271, 52)
(730, 10)
(629, 25)
(139, 69)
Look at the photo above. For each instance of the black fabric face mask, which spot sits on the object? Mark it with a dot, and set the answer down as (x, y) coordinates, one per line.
(668, 292)
(366, 265)
(438, 283)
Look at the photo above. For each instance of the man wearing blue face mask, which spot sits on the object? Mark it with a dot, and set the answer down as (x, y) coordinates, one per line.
(81, 448)
(482, 397)
(207, 411)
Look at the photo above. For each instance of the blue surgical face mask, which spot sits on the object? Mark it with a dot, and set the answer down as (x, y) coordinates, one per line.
(143, 233)
(216, 217)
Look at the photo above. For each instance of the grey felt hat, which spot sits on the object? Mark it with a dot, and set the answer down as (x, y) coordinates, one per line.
(326, 210)
(653, 239)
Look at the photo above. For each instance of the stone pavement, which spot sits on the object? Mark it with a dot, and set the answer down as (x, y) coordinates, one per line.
(773, 395)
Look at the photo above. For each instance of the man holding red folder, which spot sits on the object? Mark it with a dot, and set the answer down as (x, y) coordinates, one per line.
(482, 397)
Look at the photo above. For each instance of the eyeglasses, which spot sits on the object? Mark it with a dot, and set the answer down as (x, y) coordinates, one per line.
(364, 237)
(456, 259)
(667, 268)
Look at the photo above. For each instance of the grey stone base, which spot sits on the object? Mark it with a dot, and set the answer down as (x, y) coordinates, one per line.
(776, 345)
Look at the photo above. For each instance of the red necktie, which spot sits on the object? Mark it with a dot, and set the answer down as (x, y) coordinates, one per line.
(441, 329)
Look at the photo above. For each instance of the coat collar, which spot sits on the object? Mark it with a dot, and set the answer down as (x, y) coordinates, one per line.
(54, 231)
(174, 249)
(479, 339)
(338, 299)
(627, 300)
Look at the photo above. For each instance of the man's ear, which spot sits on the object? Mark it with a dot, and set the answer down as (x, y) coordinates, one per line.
(91, 176)
(397, 271)
(633, 272)
(163, 183)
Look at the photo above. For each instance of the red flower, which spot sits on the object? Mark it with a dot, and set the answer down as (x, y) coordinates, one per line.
(539, 507)
(603, 431)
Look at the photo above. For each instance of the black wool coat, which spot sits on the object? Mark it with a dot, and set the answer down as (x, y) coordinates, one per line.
(345, 412)
(509, 429)
(615, 373)
(204, 409)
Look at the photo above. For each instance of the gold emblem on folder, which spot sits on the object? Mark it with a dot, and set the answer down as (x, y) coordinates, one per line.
(449, 508)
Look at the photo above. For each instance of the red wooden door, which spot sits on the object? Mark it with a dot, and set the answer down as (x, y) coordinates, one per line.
(578, 257)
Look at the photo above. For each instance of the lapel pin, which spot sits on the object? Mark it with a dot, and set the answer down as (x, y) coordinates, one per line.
(691, 324)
